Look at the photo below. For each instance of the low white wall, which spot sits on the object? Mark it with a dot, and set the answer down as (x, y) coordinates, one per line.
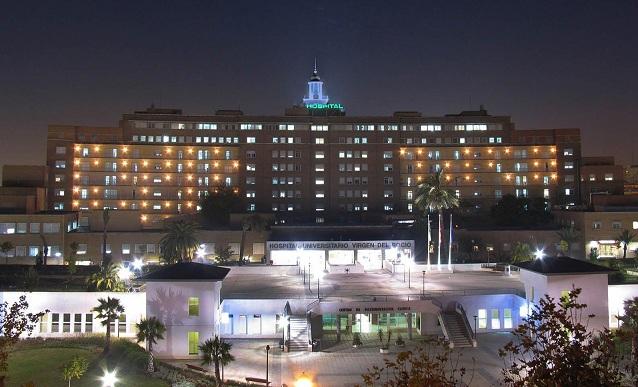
(617, 295)
(78, 303)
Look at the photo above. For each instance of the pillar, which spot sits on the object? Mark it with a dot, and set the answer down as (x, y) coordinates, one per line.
(409, 318)
(338, 325)
(382, 257)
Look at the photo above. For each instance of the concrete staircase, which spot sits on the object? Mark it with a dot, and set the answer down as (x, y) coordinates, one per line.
(298, 334)
(457, 333)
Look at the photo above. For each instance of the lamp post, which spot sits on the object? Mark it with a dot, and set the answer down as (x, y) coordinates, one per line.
(423, 282)
(409, 273)
(475, 336)
(267, 350)
(318, 295)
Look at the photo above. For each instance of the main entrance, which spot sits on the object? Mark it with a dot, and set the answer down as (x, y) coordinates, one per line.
(369, 255)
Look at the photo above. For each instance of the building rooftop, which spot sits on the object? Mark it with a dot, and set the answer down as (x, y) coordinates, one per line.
(187, 271)
(562, 266)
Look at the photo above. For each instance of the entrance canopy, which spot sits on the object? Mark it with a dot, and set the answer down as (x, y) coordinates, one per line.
(369, 253)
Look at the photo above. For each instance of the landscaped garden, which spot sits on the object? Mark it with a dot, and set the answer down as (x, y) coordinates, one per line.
(42, 362)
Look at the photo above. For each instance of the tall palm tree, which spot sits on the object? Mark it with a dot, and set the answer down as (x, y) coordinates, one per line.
(150, 330)
(107, 279)
(108, 310)
(253, 222)
(5, 248)
(432, 197)
(625, 238)
(106, 217)
(216, 351)
(180, 242)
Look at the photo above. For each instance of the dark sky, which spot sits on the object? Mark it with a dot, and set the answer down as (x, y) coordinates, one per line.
(547, 64)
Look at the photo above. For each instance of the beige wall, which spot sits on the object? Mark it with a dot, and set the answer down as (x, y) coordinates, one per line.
(597, 227)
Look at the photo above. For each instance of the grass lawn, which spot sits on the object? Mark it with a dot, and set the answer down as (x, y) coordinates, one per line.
(43, 366)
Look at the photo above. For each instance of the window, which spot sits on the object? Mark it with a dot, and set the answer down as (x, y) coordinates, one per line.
(193, 306)
(569, 165)
(482, 319)
(126, 248)
(77, 323)
(319, 168)
(616, 225)
(596, 225)
(319, 155)
(507, 318)
(564, 295)
(34, 228)
(88, 326)
(634, 224)
(121, 326)
(568, 152)
(609, 176)
(496, 321)
(251, 167)
(66, 323)
(55, 323)
(44, 323)
(193, 343)
(319, 181)
(50, 228)
(60, 164)
(387, 154)
(7, 228)
(250, 140)
(319, 140)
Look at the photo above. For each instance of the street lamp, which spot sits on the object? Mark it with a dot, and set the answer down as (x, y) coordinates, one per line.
(267, 350)
(475, 335)
(319, 274)
(539, 254)
(423, 282)
(109, 378)
(409, 272)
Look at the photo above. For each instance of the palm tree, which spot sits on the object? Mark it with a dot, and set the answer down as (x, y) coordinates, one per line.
(107, 279)
(216, 351)
(72, 258)
(570, 235)
(108, 310)
(629, 328)
(106, 217)
(180, 242)
(5, 248)
(625, 238)
(253, 222)
(432, 197)
(150, 330)
(521, 253)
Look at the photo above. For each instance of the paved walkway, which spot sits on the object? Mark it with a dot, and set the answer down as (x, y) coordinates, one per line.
(343, 366)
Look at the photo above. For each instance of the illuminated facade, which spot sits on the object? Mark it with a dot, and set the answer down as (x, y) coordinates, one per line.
(315, 90)
(305, 167)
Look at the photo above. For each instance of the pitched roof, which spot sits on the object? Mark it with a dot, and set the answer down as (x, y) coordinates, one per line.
(562, 266)
(187, 271)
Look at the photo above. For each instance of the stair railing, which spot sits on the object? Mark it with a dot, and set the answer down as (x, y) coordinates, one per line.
(458, 308)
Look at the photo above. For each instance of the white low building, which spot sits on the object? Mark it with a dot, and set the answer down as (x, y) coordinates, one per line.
(187, 298)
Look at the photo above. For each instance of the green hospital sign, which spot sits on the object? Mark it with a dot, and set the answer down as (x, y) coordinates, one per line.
(336, 106)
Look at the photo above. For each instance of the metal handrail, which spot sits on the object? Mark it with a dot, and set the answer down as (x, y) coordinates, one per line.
(459, 309)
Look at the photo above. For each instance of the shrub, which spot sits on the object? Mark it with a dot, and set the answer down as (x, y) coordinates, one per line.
(124, 351)
(356, 339)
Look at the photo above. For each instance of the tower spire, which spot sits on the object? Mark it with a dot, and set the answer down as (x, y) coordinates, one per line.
(315, 71)
(315, 88)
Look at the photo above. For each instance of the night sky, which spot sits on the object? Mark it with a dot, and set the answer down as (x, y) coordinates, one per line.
(547, 64)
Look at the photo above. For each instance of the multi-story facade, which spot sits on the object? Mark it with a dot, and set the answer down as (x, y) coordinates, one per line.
(313, 164)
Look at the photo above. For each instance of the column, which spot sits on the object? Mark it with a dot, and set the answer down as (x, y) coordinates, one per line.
(409, 318)
(338, 325)
(382, 256)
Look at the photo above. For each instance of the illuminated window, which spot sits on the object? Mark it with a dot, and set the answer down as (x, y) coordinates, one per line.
(507, 318)
(496, 321)
(609, 176)
(634, 225)
(482, 319)
(193, 306)
(193, 343)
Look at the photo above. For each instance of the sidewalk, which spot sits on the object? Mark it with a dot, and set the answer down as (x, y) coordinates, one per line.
(344, 365)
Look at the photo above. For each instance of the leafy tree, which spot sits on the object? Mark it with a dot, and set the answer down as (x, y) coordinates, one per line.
(216, 351)
(432, 364)
(180, 241)
(31, 278)
(14, 322)
(217, 204)
(75, 369)
(5, 249)
(150, 330)
(223, 255)
(252, 222)
(629, 328)
(569, 235)
(108, 310)
(107, 279)
(431, 196)
(593, 254)
(624, 239)
(563, 247)
(106, 218)
(553, 347)
(72, 259)
(521, 252)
